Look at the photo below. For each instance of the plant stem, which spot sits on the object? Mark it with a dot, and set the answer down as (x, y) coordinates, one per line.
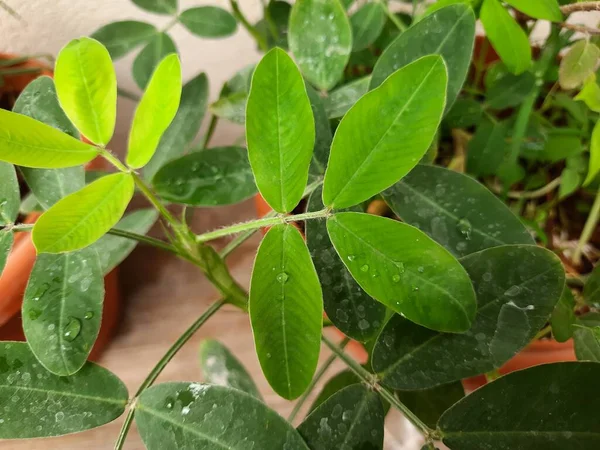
(588, 229)
(155, 201)
(393, 18)
(543, 332)
(212, 126)
(153, 375)
(107, 155)
(581, 6)
(528, 195)
(237, 13)
(243, 237)
(127, 94)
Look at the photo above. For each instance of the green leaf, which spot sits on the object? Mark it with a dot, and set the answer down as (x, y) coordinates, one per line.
(510, 90)
(334, 384)
(578, 64)
(514, 300)
(6, 243)
(114, 249)
(455, 210)
(54, 405)
(323, 136)
(485, 151)
(151, 55)
(590, 94)
(591, 290)
(507, 37)
(563, 317)
(587, 343)
(320, 37)
(351, 419)
(155, 112)
(594, 166)
(429, 404)
(350, 308)
(62, 309)
(86, 85)
(514, 405)
(184, 127)
(29, 143)
(449, 32)
(10, 197)
(402, 268)
(208, 21)
(406, 108)
(561, 143)
(339, 101)
(367, 23)
(286, 311)
(274, 25)
(570, 180)
(194, 415)
(280, 131)
(218, 176)
(222, 368)
(81, 218)
(158, 6)
(539, 9)
(465, 113)
(231, 107)
(120, 38)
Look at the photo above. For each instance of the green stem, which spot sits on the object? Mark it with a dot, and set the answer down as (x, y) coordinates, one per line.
(588, 229)
(237, 13)
(543, 332)
(127, 94)
(171, 24)
(521, 125)
(528, 195)
(212, 126)
(107, 155)
(393, 18)
(155, 201)
(145, 240)
(241, 238)
(153, 375)
(270, 23)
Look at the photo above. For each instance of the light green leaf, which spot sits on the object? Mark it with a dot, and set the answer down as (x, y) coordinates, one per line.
(120, 38)
(86, 85)
(539, 9)
(486, 149)
(208, 21)
(286, 311)
(590, 94)
(514, 302)
(204, 416)
(578, 64)
(594, 166)
(320, 37)
(507, 37)
(350, 419)
(81, 218)
(587, 343)
(6, 243)
(114, 249)
(280, 131)
(323, 136)
(231, 107)
(339, 101)
(455, 210)
(222, 368)
(429, 404)
(155, 112)
(510, 90)
(515, 403)
(449, 32)
(151, 55)
(10, 197)
(29, 143)
(158, 6)
(184, 127)
(367, 23)
(402, 268)
(570, 180)
(336, 383)
(591, 290)
(406, 108)
(218, 176)
(62, 309)
(54, 405)
(563, 317)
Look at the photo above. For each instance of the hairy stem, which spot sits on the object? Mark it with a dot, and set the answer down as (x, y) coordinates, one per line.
(237, 13)
(581, 6)
(241, 238)
(588, 229)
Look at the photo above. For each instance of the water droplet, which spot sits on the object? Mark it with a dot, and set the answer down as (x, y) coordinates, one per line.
(363, 324)
(88, 315)
(400, 267)
(337, 411)
(59, 416)
(396, 278)
(282, 277)
(351, 258)
(39, 293)
(415, 288)
(465, 228)
(513, 291)
(347, 416)
(364, 268)
(34, 314)
(487, 276)
(72, 329)
(421, 269)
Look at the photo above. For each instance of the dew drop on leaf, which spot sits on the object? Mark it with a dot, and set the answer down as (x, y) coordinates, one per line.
(351, 258)
(282, 277)
(88, 315)
(396, 278)
(465, 228)
(513, 291)
(72, 329)
(364, 268)
(34, 314)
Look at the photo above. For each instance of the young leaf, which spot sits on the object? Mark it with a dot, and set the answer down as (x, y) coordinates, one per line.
(155, 112)
(320, 37)
(208, 21)
(231, 107)
(336, 383)
(194, 415)
(514, 404)
(54, 405)
(591, 290)
(86, 85)
(563, 317)
(62, 309)
(219, 176)
(280, 131)
(429, 404)
(455, 210)
(10, 197)
(510, 90)
(81, 218)
(339, 101)
(6, 243)
(402, 268)
(151, 55)
(514, 301)
(158, 6)
(486, 149)
(367, 23)
(539, 9)
(507, 37)
(570, 180)
(29, 143)
(590, 94)
(578, 64)
(406, 108)
(120, 38)
(587, 343)
(350, 308)
(222, 368)
(351, 418)
(286, 311)
(594, 166)
(184, 127)
(449, 32)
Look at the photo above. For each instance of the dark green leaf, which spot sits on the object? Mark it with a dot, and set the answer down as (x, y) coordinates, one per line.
(208, 21)
(539, 9)
(10, 198)
(153, 53)
(40, 404)
(277, 22)
(578, 64)
(367, 23)
(158, 6)
(510, 90)
(591, 290)
(323, 136)
(449, 32)
(120, 38)
(570, 180)
(587, 343)
(6, 243)
(591, 319)
(517, 288)
(221, 367)
(401, 267)
(563, 317)
(560, 144)
(333, 385)
(339, 101)
(231, 107)
(350, 419)
(536, 408)
(594, 167)
(486, 150)
(218, 176)
(203, 416)
(429, 404)
(465, 113)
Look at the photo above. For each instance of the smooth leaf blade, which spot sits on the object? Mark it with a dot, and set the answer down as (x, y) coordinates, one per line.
(594, 164)
(10, 197)
(367, 23)
(402, 268)
(120, 38)
(280, 130)
(151, 55)
(80, 219)
(485, 151)
(208, 21)
(231, 107)
(587, 343)
(429, 404)
(286, 311)
(155, 112)
(563, 317)
(591, 290)
(6, 243)
(54, 405)
(194, 415)
(339, 101)
(580, 61)
(86, 85)
(407, 108)
(540, 9)
(158, 6)
(336, 383)
(323, 136)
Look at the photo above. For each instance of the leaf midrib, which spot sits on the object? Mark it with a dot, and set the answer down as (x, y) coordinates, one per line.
(64, 393)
